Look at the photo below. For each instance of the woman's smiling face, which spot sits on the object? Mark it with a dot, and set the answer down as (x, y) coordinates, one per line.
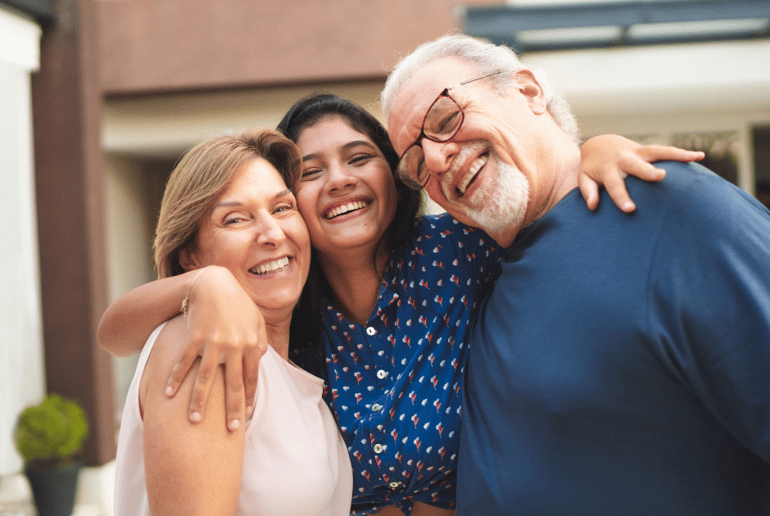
(256, 231)
(347, 195)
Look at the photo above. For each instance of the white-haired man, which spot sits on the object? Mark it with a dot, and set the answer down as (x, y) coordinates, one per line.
(622, 363)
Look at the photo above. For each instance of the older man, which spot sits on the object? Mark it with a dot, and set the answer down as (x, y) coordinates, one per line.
(622, 363)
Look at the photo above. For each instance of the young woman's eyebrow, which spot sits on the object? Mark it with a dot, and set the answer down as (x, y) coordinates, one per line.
(349, 145)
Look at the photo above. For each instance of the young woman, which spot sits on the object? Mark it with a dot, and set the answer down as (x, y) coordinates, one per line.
(227, 205)
(390, 297)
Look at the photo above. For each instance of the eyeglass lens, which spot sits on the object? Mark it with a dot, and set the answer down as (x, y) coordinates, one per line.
(442, 122)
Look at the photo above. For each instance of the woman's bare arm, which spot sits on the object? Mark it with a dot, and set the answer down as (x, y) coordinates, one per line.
(223, 326)
(128, 322)
(606, 160)
(190, 468)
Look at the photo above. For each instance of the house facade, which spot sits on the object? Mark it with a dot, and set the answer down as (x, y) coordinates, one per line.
(99, 98)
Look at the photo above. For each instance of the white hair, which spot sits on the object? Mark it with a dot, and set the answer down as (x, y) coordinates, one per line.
(487, 58)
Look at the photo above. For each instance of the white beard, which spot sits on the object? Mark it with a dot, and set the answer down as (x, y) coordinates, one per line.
(501, 203)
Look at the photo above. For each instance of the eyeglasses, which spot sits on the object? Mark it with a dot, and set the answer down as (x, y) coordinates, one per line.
(441, 123)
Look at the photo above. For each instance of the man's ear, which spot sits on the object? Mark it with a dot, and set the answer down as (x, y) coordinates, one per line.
(528, 86)
(188, 258)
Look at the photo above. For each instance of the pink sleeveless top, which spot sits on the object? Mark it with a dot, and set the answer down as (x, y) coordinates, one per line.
(295, 461)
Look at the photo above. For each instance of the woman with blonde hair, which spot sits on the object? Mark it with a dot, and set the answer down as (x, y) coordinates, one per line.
(229, 207)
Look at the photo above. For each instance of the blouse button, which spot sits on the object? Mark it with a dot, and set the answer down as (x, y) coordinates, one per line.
(378, 448)
(381, 374)
(376, 407)
(394, 485)
(371, 331)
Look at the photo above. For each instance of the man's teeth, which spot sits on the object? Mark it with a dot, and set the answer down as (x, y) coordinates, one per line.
(270, 266)
(475, 167)
(345, 208)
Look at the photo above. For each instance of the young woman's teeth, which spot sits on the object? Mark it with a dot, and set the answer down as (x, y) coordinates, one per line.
(475, 167)
(266, 268)
(345, 208)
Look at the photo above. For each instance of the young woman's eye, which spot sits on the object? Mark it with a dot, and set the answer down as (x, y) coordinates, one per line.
(360, 159)
(310, 173)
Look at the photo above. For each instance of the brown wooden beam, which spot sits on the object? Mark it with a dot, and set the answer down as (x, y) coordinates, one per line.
(69, 170)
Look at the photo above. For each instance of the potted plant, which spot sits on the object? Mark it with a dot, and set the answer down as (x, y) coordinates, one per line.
(49, 438)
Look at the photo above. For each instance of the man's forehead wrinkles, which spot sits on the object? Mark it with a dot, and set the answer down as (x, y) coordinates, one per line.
(415, 98)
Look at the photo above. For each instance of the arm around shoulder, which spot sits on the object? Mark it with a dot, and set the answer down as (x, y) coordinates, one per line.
(190, 468)
(128, 322)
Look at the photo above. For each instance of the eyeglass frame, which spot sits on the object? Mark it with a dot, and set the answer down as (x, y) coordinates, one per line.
(405, 177)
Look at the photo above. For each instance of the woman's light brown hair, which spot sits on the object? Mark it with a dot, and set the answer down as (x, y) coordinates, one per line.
(200, 178)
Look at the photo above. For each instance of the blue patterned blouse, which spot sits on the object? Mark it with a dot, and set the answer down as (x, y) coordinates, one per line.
(394, 383)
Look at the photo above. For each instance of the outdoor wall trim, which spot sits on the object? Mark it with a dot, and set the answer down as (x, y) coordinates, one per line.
(19, 40)
(41, 10)
(503, 24)
(69, 187)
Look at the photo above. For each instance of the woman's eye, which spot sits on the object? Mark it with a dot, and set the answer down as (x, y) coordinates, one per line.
(234, 220)
(309, 173)
(360, 159)
(283, 208)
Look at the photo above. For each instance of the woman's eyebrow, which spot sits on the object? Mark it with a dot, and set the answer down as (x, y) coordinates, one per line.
(230, 204)
(349, 145)
(356, 143)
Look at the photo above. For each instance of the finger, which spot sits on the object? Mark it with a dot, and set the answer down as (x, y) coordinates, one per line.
(589, 189)
(616, 188)
(250, 375)
(234, 401)
(669, 153)
(643, 170)
(179, 372)
(202, 387)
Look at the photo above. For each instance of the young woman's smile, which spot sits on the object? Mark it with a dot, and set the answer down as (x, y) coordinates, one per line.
(347, 194)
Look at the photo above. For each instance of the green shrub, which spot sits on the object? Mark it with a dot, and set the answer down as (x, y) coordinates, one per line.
(52, 432)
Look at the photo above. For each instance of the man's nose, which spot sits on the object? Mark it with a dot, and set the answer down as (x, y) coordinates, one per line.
(438, 155)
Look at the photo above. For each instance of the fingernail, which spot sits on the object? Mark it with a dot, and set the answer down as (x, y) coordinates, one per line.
(235, 424)
(628, 206)
(169, 391)
(195, 417)
(249, 409)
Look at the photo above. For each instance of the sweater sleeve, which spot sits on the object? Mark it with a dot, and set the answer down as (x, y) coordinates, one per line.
(709, 304)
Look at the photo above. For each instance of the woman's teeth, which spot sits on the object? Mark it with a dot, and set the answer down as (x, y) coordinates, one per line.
(345, 208)
(471, 175)
(270, 266)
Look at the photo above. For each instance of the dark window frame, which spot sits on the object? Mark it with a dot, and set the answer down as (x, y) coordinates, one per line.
(502, 24)
(42, 10)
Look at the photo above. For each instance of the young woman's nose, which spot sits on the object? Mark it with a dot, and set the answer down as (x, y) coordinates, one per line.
(340, 178)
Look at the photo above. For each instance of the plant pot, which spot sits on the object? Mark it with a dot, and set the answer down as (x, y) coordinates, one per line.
(53, 487)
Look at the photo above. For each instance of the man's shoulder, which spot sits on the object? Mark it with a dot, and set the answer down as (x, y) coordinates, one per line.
(690, 187)
(694, 207)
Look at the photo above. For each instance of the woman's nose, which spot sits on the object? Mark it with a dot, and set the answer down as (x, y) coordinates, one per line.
(270, 232)
(340, 178)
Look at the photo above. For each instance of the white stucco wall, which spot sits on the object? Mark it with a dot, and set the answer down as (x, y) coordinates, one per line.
(22, 378)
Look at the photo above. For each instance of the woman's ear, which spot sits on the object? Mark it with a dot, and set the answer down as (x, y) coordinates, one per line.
(528, 86)
(188, 259)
